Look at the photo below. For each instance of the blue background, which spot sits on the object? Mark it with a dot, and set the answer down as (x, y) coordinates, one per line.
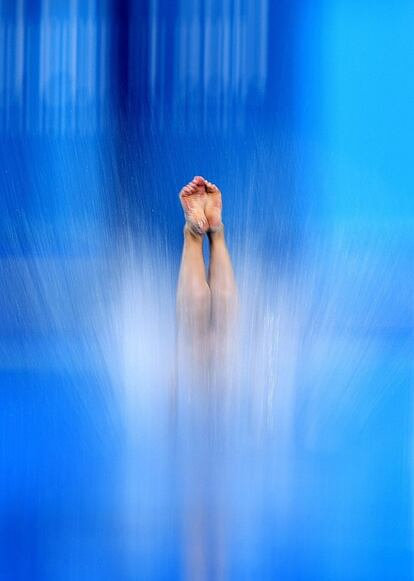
(302, 112)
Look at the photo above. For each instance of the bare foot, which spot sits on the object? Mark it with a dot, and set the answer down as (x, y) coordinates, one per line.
(213, 207)
(193, 199)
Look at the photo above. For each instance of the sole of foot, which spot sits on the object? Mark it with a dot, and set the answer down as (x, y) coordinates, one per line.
(213, 207)
(193, 199)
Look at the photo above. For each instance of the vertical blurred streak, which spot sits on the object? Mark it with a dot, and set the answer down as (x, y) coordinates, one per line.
(154, 45)
(3, 67)
(188, 25)
(2, 72)
(102, 72)
(182, 97)
(162, 74)
(130, 62)
(141, 16)
(9, 45)
(20, 54)
(179, 93)
(73, 31)
(51, 86)
(195, 52)
(43, 52)
(236, 60)
(80, 72)
(91, 61)
(219, 64)
(29, 75)
(176, 72)
(91, 68)
(226, 61)
(201, 42)
(281, 63)
(61, 77)
(48, 56)
(64, 66)
(245, 57)
(207, 58)
(121, 51)
(262, 57)
(232, 36)
(55, 80)
(244, 70)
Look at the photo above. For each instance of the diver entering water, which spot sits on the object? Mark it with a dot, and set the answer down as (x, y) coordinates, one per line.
(206, 309)
(206, 304)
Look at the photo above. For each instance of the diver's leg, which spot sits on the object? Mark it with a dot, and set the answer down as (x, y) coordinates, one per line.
(221, 276)
(193, 292)
(222, 283)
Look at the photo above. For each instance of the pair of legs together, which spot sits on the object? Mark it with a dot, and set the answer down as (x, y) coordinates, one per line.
(206, 308)
(206, 302)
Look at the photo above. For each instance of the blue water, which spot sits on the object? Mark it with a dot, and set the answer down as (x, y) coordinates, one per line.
(300, 465)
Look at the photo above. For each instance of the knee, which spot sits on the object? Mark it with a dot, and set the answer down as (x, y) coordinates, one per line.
(225, 300)
(224, 308)
(200, 294)
(196, 299)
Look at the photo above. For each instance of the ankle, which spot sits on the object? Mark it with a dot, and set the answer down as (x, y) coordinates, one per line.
(192, 235)
(217, 234)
